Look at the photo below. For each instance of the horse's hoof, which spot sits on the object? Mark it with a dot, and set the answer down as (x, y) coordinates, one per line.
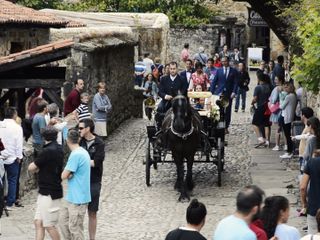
(184, 198)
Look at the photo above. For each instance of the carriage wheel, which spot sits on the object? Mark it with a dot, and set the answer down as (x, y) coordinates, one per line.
(148, 163)
(219, 159)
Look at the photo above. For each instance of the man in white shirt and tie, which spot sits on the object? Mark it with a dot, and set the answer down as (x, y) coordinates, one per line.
(225, 83)
(186, 74)
(12, 137)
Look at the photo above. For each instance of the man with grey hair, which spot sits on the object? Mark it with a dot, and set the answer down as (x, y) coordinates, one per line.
(201, 56)
(77, 173)
(49, 167)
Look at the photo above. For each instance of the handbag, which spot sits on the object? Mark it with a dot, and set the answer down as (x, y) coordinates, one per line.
(273, 107)
(1, 146)
(267, 111)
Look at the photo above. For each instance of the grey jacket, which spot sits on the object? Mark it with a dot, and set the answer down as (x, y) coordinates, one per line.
(288, 107)
(101, 105)
(311, 145)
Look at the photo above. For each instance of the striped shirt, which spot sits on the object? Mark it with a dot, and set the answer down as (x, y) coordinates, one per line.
(83, 111)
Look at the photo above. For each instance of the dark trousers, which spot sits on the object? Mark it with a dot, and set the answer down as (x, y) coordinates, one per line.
(228, 113)
(287, 133)
(12, 177)
(18, 182)
(1, 198)
(243, 94)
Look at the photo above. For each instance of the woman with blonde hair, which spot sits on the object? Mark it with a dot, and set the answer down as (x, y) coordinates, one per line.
(288, 102)
(101, 106)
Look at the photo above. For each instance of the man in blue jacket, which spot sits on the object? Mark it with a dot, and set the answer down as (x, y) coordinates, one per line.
(169, 87)
(225, 83)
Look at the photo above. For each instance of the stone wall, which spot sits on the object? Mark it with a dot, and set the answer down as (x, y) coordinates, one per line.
(206, 36)
(313, 101)
(114, 66)
(27, 38)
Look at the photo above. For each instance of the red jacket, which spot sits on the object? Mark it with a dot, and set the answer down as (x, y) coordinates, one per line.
(72, 102)
(257, 228)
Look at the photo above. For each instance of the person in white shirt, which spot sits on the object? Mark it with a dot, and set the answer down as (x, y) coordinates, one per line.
(12, 137)
(148, 62)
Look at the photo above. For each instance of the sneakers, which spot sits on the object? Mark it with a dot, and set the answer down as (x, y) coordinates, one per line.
(285, 147)
(267, 144)
(276, 148)
(261, 140)
(10, 208)
(286, 155)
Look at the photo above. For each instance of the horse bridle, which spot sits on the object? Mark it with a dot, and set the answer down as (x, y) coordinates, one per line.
(184, 136)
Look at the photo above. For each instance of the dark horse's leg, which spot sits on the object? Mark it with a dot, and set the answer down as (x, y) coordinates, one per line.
(180, 184)
(189, 182)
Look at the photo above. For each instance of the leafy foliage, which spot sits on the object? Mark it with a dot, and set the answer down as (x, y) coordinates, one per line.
(306, 35)
(189, 13)
(40, 4)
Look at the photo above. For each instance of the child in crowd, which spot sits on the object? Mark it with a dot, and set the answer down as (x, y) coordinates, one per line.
(82, 111)
(199, 102)
(306, 113)
(151, 89)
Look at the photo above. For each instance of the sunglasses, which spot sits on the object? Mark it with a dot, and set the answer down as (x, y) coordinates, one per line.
(81, 128)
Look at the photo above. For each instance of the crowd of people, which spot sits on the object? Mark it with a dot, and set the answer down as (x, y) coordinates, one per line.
(223, 73)
(275, 101)
(255, 218)
(49, 131)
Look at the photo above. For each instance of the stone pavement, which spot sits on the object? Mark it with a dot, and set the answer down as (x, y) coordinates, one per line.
(131, 210)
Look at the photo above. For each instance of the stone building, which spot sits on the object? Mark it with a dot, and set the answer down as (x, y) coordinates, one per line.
(23, 28)
(151, 28)
(225, 30)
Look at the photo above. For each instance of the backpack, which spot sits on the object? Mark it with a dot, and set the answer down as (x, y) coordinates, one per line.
(155, 72)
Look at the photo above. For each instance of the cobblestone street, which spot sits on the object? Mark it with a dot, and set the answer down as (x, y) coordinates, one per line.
(131, 210)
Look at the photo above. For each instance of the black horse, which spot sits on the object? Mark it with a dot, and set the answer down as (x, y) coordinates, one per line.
(181, 130)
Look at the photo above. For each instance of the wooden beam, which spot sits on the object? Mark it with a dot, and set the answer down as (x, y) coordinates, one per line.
(31, 83)
(54, 97)
(35, 73)
(6, 96)
(36, 60)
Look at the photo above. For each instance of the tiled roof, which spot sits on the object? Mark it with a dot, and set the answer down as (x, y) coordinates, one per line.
(11, 13)
(43, 49)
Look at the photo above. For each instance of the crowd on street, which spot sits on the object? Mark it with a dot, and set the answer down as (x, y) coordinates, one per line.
(48, 132)
(274, 102)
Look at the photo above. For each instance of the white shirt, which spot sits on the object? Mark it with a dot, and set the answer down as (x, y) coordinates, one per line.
(173, 77)
(286, 232)
(148, 62)
(226, 71)
(188, 76)
(12, 137)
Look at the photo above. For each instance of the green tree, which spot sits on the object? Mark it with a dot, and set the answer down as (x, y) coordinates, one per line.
(305, 41)
(189, 13)
(39, 4)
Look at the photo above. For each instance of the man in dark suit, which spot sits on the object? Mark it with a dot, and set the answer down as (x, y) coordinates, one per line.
(186, 74)
(225, 83)
(278, 69)
(169, 87)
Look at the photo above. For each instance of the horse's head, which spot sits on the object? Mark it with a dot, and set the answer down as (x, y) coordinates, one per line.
(181, 112)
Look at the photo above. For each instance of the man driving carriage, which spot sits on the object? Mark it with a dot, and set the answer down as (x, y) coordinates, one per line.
(169, 87)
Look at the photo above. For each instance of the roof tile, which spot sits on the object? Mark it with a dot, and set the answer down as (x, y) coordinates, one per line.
(14, 13)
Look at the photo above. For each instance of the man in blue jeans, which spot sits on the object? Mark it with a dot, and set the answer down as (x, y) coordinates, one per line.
(12, 138)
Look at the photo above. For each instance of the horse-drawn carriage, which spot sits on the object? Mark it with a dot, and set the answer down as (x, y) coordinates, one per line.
(202, 133)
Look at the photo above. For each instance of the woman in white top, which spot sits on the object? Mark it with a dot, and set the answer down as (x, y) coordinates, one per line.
(274, 216)
(317, 235)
